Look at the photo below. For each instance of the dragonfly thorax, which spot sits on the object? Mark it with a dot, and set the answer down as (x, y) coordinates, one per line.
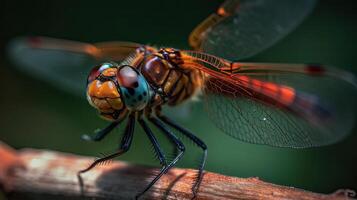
(171, 83)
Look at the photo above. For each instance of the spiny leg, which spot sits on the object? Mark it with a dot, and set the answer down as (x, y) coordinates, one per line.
(100, 134)
(159, 153)
(195, 139)
(124, 146)
(176, 141)
(148, 115)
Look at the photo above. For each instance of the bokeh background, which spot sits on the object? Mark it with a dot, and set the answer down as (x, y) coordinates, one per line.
(34, 114)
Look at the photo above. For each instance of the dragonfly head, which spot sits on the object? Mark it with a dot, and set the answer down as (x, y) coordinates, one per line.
(114, 90)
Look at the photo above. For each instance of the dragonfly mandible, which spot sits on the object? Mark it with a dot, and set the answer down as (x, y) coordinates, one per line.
(284, 105)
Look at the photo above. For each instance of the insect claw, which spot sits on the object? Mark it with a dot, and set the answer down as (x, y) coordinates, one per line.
(86, 137)
(97, 130)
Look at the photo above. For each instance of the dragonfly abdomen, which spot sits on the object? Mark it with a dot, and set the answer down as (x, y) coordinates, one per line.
(277, 94)
(272, 94)
(280, 96)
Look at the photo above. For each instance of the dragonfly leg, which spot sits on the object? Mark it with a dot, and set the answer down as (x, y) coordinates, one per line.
(176, 141)
(195, 139)
(101, 133)
(124, 146)
(158, 151)
(170, 135)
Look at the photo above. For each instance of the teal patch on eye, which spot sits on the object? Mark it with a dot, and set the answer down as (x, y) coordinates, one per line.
(134, 88)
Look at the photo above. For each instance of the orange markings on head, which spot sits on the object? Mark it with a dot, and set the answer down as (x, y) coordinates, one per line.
(103, 90)
(117, 104)
(102, 104)
(110, 72)
(109, 116)
(287, 95)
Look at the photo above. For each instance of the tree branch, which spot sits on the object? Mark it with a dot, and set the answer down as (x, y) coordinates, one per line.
(42, 174)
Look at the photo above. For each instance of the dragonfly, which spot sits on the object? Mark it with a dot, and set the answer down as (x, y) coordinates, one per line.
(275, 104)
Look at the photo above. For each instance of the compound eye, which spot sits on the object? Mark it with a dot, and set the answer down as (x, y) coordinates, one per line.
(97, 70)
(133, 87)
(128, 77)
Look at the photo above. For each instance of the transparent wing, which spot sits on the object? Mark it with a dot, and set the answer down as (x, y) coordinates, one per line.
(242, 28)
(276, 104)
(64, 64)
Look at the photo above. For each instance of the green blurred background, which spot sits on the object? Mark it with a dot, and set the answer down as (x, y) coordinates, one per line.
(36, 115)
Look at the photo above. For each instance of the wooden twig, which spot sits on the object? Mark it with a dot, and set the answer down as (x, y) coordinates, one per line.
(43, 174)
